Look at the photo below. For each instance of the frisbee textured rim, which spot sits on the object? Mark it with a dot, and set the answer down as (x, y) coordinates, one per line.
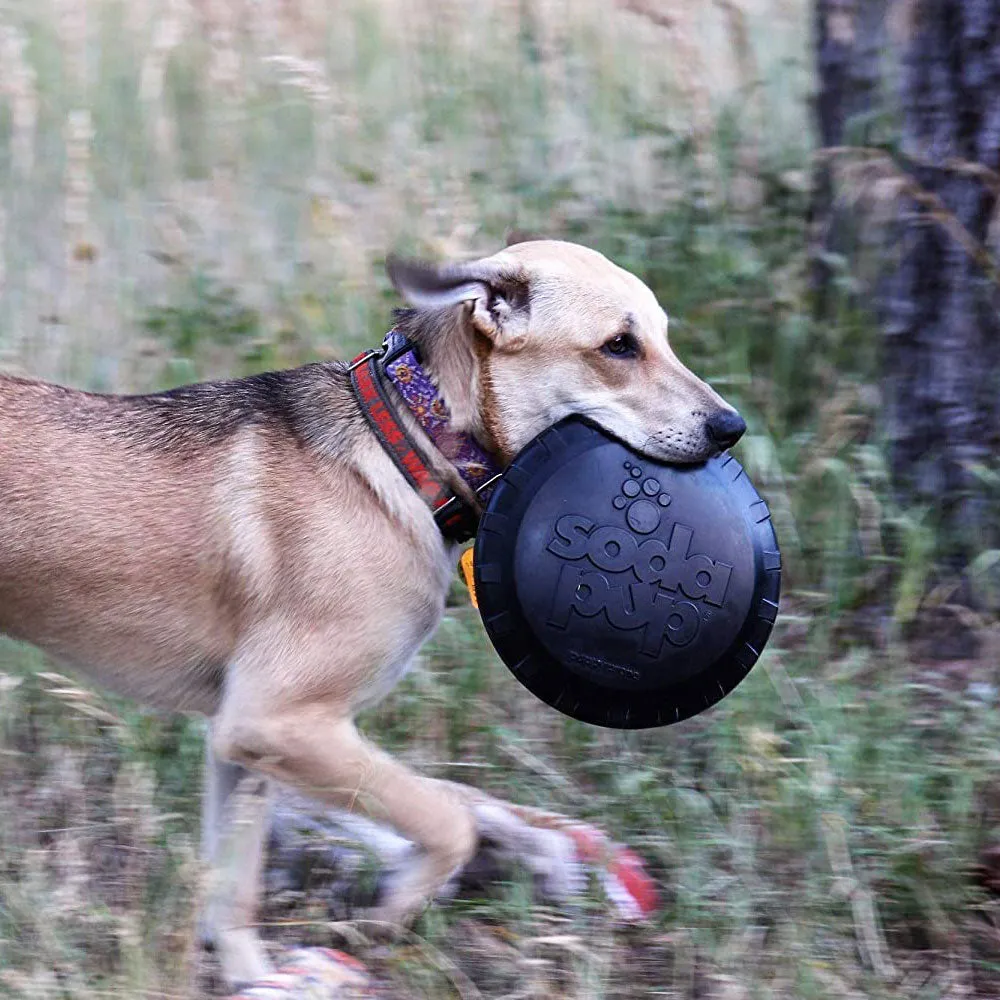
(519, 634)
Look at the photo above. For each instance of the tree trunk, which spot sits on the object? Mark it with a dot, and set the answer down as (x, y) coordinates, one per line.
(939, 298)
(850, 38)
(942, 333)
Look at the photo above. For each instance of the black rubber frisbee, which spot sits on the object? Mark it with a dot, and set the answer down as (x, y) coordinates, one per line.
(622, 591)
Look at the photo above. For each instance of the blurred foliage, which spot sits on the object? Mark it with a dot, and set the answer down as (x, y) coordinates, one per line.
(222, 202)
(214, 315)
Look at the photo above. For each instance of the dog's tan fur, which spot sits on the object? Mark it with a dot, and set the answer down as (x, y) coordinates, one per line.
(247, 550)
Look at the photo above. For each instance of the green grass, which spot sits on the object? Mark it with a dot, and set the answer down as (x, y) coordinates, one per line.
(814, 835)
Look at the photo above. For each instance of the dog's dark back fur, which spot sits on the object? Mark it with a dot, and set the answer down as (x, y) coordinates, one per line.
(301, 404)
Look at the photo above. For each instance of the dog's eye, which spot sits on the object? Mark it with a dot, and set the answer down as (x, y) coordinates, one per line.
(622, 346)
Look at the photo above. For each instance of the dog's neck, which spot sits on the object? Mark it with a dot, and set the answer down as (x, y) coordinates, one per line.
(446, 351)
(421, 389)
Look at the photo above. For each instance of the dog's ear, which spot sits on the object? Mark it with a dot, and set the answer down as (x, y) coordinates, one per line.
(493, 292)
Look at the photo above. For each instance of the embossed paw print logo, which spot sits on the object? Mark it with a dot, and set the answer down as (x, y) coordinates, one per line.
(644, 499)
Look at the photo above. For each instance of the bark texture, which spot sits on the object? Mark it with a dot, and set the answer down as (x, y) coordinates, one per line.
(850, 39)
(942, 332)
(939, 92)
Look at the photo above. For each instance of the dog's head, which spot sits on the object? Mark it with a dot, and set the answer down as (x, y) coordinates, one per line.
(547, 329)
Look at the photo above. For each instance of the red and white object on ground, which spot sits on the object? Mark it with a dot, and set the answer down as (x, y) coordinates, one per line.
(313, 974)
(629, 887)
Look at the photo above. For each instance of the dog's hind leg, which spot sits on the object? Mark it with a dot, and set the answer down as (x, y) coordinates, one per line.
(235, 807)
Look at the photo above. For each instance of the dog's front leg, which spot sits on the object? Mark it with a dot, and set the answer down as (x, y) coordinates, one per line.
(316, 749)
(235, 807)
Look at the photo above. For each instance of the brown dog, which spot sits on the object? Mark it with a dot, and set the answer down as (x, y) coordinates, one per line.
(214, 548)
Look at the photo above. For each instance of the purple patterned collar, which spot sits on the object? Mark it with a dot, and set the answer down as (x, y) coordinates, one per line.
(401, 364)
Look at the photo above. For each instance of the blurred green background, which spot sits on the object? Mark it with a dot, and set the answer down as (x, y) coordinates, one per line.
(193, 188)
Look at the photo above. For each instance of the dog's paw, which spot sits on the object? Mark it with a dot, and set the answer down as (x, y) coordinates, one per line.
(313, 973)
(560, 853)
(627, 883)
(549, 855)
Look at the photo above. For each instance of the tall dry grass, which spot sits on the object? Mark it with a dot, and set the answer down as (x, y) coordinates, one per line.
(285, 147)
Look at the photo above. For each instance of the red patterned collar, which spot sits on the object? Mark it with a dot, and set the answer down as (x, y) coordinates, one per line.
(398, 364)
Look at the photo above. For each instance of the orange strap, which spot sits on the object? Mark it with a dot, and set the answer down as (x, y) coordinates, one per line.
(468, 572)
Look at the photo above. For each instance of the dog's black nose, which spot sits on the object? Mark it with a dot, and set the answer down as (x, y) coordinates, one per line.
(725, 428)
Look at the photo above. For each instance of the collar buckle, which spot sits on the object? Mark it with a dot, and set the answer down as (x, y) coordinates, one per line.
(457, 520)
(365, 357)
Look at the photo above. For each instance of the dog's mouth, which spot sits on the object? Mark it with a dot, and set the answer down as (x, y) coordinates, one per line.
(672, 446)
(677, 447)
